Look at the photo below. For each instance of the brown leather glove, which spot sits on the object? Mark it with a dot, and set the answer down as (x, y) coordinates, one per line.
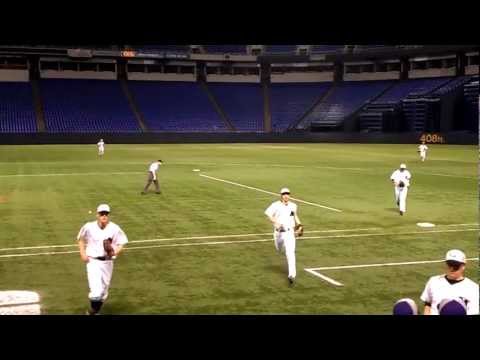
(108, 247)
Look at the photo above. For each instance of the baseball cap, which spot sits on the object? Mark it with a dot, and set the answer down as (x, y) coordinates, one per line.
(403, 166)
(455, 255)
(405, 306)
(455, 306)
(103, 207)
(285, 191)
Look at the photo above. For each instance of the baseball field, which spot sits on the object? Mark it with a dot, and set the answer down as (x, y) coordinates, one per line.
(204, 246)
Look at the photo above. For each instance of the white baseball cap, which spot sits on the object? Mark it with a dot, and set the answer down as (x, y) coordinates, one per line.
(455, 255)
(103, 207)
(403, 166)
(285, 191)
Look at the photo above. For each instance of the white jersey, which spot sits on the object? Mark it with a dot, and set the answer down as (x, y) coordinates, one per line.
(100, 144)
(423, 148)
(94, 236)
(438, 288)
(154, 166)
(284, 214)
(404, 176)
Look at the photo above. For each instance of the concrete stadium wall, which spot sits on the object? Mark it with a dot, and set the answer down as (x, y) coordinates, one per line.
(161, 77)
(302, 77)
(460, 138)
(70, 74)
(14, 75)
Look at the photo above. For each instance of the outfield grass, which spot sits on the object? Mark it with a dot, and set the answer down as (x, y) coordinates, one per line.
(234, 277)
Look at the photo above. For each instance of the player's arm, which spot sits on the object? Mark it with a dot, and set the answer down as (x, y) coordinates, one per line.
(297, 219)
(82, 245)
(271, 216)
(118, 250)
(154, 175)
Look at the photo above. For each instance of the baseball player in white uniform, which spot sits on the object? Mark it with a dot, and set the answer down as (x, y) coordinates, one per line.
(284, 216)
(152, 177)
(101, 147)
(422, 150)
(401, 179)
(92, 251)
(453, 284)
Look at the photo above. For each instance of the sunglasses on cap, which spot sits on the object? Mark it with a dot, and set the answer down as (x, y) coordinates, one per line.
(103, 213)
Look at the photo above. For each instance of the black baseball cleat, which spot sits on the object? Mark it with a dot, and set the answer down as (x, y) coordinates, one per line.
(401, 213)
(90, 312)
(291, 281)
(158, 192)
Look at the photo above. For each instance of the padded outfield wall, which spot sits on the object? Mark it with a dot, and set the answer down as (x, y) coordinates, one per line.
(459, 138)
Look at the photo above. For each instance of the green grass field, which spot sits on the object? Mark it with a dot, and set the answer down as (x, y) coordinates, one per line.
(46, 193)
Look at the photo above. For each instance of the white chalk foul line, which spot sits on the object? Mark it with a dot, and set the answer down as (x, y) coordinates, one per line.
(383, 264)
(183, 238)
(315, 271)
(326, 278)
(268, 192)
(241, 241)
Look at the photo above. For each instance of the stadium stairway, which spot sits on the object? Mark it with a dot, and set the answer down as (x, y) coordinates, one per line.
(302, 123)
(418, 109)
(217, 106)
(38, 106)
(133, 105)
(374, 117)
(267, 114)
(471, 96)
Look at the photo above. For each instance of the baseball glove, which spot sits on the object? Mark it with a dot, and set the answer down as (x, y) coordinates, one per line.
(107, 246)
(401, 184)
(298, 230)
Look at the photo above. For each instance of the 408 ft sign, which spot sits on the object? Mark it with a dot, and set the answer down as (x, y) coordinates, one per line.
(433, 138)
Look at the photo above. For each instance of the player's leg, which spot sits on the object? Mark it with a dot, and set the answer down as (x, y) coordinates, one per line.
(290, 253)
(107, 271)
(403, 200)
(397, 195)
(157, 186)
(149, 181)
(278, 240)
(94, 275)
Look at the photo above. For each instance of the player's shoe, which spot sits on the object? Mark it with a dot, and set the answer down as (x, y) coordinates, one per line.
(291, 281)
(143, 193)
(401, 213)
(90, 312)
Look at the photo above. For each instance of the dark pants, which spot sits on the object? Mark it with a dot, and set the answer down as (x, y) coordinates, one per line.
(149, 182)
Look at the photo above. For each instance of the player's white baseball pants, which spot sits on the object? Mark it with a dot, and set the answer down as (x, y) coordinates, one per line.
(99, 274)
(101, 150)
(401, 197)
(286, 239)
(423, 155)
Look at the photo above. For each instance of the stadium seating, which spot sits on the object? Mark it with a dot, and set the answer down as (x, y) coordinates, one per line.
(376, 115)
(471, 98)
(346, 98)
(17, 113)
(86, 106)
(322, 49)
(280, 49)
(176, 107)
(243, 104)
(413, 87)
(225, 49)
(450, 86)
(291, 100)
(174, 49)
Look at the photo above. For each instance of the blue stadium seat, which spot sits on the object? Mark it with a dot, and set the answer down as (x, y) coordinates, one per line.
(17, 114)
